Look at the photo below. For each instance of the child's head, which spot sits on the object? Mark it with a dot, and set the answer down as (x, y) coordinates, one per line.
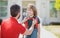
(0, 21)
(32, 11)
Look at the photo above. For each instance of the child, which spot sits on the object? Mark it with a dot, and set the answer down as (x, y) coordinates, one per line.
(32, 14)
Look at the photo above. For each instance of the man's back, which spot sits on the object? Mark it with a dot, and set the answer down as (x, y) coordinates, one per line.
(11, 28)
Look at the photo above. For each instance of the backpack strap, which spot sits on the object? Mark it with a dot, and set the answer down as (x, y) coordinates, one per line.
(26, 24)
(37, 22)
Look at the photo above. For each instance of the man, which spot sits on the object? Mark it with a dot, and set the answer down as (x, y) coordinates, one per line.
(11, 28)
(0, 27)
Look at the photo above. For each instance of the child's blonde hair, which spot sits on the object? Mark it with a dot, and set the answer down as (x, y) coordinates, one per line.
(31, 6)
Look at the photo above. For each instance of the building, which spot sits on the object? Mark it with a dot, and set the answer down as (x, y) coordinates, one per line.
(45, 9)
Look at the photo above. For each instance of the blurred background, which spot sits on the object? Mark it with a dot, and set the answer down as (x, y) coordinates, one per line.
(48, 10)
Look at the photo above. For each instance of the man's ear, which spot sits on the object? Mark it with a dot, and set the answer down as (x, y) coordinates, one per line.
(18, 16)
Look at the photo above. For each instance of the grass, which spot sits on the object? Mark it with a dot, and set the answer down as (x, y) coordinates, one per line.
(54, 29)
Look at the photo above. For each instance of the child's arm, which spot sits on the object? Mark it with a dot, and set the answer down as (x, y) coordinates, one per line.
(38, 34)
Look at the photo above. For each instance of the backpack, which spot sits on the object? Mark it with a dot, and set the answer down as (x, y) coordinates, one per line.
(26, 23)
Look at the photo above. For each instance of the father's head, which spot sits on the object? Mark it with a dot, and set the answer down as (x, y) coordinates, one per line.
(15, 11)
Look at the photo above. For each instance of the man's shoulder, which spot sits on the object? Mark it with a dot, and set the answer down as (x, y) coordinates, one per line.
(5, 20)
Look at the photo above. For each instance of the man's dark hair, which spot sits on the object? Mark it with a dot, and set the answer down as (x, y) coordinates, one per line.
(0, 21)
(15, 9)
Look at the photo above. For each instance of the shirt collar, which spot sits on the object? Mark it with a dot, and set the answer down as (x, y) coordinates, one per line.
(13, 19)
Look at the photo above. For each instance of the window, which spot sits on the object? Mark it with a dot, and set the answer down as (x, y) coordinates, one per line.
(3, 8)
(53, 11)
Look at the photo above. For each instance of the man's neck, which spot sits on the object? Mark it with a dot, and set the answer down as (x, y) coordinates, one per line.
(14, 17)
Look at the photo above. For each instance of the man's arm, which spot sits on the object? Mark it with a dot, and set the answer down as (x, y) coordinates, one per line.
(29, 32)
(25, 19)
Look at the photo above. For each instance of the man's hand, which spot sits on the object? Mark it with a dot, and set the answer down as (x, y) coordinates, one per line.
(25, 19)
(34, 22)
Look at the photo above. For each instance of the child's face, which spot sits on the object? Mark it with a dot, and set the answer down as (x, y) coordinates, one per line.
(30, 12)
